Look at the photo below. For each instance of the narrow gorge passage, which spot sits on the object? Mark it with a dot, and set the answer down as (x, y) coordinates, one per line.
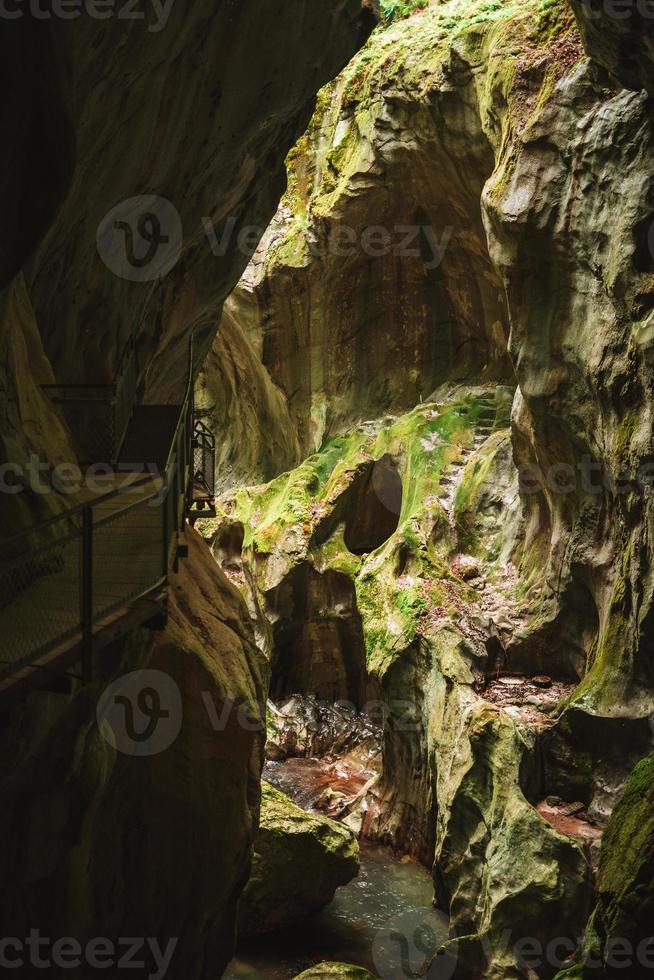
(430, 553)
(326, 490)
(356, 643)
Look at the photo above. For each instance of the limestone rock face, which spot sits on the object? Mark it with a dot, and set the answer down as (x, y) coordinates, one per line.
(551, 265)
(621, 925)
(102, 111)
(620, 38)
(580, 341)
(111, 844)
(201, 113)
(525, 141)
(461, 773)
(299, 861)
(29, 427)
(490, 119)
(546, 161)
(239, 400)
(374, 282)
(205, 134)
(626, 871)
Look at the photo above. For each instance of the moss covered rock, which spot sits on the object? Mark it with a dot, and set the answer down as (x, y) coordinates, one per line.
(451, 790)
(461, 116)
(300, 860)
(532, 880)
(337, 971)
(619, 934)
(626, 873)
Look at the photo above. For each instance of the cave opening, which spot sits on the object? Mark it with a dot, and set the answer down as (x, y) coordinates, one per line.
(373, 508)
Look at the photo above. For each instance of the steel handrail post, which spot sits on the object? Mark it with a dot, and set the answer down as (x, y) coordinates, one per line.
(87, 594)
(165, 504)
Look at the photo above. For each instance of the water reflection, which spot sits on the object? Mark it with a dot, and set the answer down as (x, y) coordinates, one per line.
(383, 920)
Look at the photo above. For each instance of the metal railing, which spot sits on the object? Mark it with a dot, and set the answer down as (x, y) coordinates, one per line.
(59, 580)
(99, 415)
(76, 569)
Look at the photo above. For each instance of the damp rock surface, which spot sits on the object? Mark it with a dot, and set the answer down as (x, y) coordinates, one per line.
(300, 859)
(344, 971)
(390, 895)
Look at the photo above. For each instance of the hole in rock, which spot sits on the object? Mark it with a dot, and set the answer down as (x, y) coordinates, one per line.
(372, 512)
(403, 558)
(228, 544)
(644, 242)
(318, 644)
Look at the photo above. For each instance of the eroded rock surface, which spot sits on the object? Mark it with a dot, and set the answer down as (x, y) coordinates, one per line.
(523, 551)
(620, 928)
(460, 779)
(619, 38)
(300, 859)
(525, 170)
(98, 111)
(325, 971)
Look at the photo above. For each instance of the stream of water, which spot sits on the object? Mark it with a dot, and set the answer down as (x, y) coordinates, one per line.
(383, 920)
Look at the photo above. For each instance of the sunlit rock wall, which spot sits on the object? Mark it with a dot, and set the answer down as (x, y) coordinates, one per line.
(550, 199)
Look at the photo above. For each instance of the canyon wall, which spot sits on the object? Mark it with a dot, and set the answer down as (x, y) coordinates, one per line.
(201, 111)
(491, 121)
(470, 206)
(198, 112)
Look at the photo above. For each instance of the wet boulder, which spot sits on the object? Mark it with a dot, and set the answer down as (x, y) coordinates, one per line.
(300, 859)
(336, 971)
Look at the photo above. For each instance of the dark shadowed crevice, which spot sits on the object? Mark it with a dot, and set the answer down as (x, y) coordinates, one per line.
(228, 544)
(39, 145)
(369, 510)
(562, 648)
(644, 245)
(374, 509)
(318, 644)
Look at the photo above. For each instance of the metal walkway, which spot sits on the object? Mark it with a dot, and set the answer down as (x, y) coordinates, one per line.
(73, 584)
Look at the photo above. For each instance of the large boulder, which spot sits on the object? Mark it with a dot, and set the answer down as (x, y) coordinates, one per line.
(299, 861)
(335, 971)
